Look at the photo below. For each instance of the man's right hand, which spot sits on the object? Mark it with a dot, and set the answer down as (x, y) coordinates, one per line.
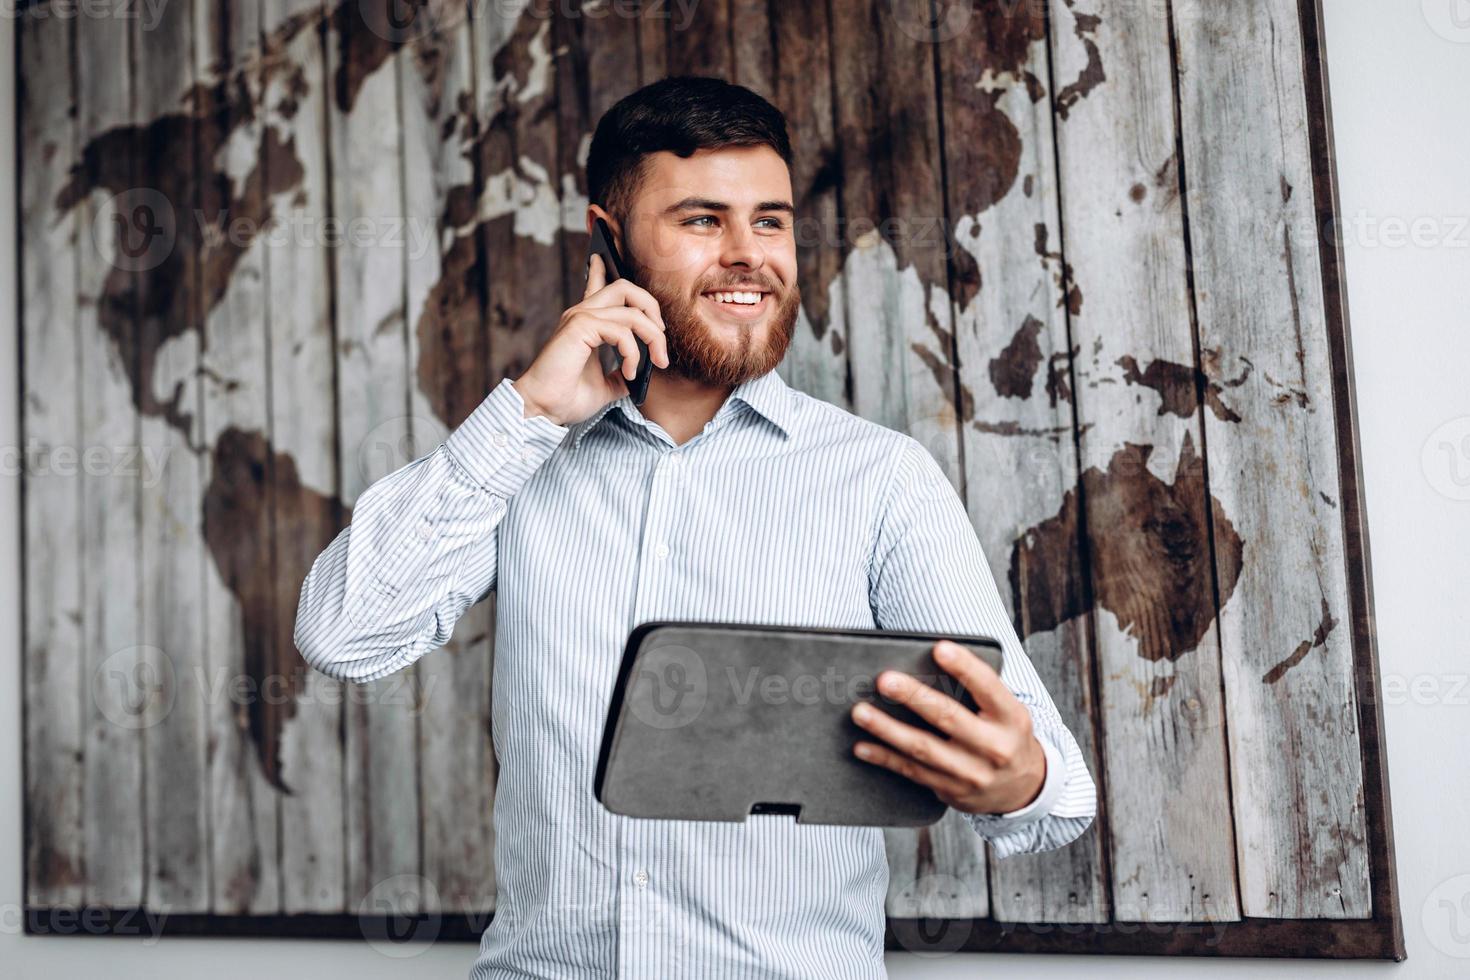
(565, 382)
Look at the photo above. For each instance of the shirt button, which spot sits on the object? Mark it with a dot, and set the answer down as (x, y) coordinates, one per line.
(661, 552)
(425, 530)
(641, 877)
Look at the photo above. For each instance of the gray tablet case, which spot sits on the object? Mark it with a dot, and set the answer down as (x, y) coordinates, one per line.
(714, 721)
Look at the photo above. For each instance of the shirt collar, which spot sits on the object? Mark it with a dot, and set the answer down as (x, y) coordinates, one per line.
(768, 395)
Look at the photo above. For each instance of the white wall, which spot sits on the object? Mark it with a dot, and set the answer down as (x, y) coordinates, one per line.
(1400, 76)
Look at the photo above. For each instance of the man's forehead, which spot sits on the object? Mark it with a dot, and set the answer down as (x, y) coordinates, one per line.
(763, 176)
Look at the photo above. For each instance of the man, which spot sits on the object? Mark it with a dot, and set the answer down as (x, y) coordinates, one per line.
(728, 497)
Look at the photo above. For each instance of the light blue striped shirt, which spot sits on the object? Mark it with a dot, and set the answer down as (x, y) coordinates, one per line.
(784, 509)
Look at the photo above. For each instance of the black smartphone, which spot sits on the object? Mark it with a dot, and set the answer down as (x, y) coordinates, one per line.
(602, 244)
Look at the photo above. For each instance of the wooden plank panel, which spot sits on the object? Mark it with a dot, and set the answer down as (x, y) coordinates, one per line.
(752, 60)
(172, 555)
(653, 45)
(518, 214)
(115, 665)
(306, 511)
(1009, 302)
(1296, 769)
(53, 646)
(243, 765)
(699, 38)
(519, 207)
(596, 65)
(447, 348)
(816, 361)
(381, 750)
(897, 319)
(1148, 512)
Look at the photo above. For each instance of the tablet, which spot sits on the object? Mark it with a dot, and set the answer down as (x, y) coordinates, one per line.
(715, 721)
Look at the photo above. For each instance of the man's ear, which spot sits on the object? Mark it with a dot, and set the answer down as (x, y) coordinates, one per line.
(595, 211)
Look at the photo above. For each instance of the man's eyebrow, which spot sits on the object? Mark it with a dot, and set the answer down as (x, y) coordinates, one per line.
(706, 204)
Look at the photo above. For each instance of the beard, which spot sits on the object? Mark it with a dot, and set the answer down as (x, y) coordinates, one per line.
(697, 352)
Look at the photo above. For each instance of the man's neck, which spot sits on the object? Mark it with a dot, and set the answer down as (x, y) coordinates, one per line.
(680, 406)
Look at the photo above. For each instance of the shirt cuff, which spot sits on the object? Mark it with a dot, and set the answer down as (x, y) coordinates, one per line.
(498, 447)
(993, 824)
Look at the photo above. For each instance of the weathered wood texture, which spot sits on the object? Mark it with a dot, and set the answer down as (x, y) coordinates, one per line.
(272, 251)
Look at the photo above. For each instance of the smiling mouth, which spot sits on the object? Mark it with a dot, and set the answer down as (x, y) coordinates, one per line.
(742, 304)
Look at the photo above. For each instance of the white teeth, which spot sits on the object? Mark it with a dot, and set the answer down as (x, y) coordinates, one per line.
(749, 299)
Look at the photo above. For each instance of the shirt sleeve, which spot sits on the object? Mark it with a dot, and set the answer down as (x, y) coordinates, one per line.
(422, 545)
(929, 574)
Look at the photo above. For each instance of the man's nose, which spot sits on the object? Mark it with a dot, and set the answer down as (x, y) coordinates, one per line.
(741, 247)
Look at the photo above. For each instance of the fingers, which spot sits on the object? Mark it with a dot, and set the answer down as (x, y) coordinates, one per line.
(991, 695)
(638, 321)
(624, 292)
(596, 276)
(887, 758)
(947, 758)
(621, 337)
(943, 712)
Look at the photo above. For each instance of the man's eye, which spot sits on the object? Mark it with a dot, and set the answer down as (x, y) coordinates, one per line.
(702, 217)
(776, 223)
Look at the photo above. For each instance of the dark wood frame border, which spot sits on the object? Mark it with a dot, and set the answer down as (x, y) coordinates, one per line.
(1380, 937)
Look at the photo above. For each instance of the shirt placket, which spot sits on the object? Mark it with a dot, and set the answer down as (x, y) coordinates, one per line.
(643, 907)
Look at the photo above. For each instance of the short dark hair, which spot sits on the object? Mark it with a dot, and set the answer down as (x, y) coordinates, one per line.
(680, 114)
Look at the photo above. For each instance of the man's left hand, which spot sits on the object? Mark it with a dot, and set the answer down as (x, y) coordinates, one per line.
(990, 763)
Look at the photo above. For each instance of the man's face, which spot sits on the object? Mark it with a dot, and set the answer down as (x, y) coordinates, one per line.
(720, 221)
